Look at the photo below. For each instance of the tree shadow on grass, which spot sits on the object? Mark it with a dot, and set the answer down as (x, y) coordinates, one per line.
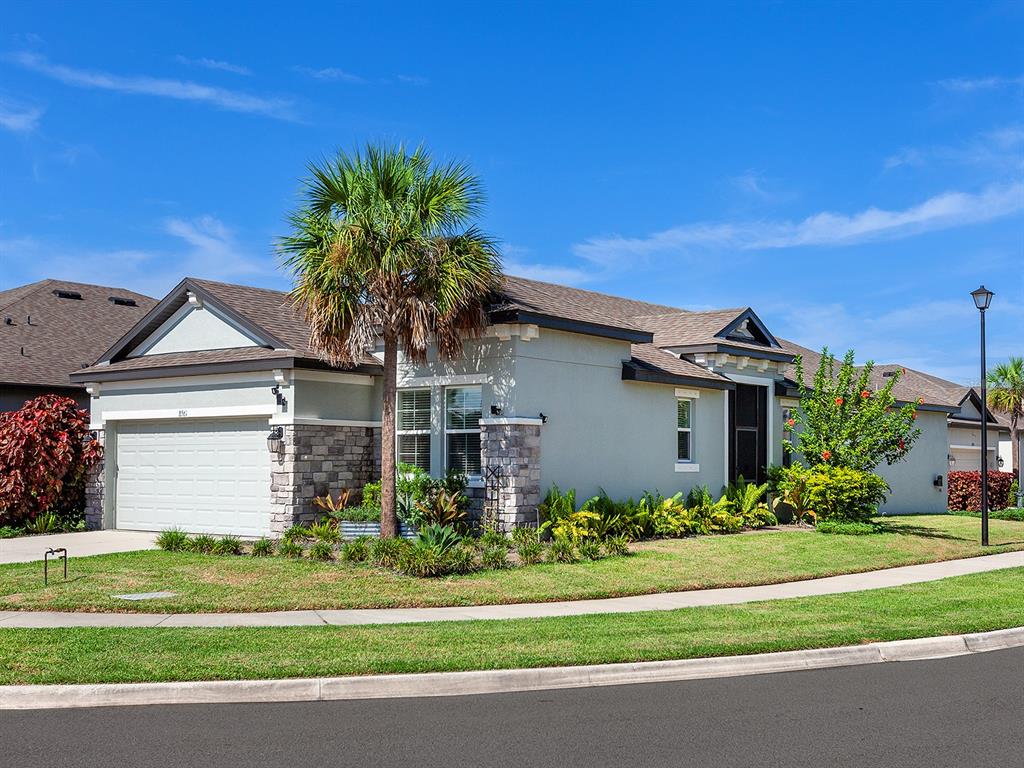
(922, 531)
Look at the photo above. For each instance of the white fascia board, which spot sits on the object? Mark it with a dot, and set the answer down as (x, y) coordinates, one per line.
(171, 414)
(210, 379)
(288, 419)
(758, 381)
(970, 447)
(455, 380)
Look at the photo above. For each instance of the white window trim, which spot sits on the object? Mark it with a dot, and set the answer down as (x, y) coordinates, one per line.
(687, 466)
(428, 431)
(462, 431)
(684, 465)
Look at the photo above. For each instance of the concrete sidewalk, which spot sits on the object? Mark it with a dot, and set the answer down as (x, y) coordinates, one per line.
(27, 549)
(891, 577)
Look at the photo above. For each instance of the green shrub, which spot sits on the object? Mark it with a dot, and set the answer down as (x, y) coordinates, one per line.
(1012, 513)
(423, 560)
(10, 532)
(297, 533)
(461, 559)
(290, 548)
(321, 550)
(847, 528)
(371, 494)
(356, 551)
(492, 537)
(172, 540)
(524, 535)
(228, 545)
(364, 513)
(840, 493)
(616, 546)
(530, 552)
(202, 544)
(262, 547)
(325, 530)
(442, 537)
(494, 558)
(561, 551)
(387, 552)
(760, 517)
(44, 522)
(589, 549)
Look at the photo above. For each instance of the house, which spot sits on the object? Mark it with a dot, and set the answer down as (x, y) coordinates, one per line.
(52, 328)
(218, 417)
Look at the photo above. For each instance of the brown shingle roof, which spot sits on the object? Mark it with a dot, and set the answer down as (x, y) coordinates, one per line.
(650, 362)
(677, 329)
(64, 334)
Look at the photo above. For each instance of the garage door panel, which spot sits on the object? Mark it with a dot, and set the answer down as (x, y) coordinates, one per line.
(208, 477)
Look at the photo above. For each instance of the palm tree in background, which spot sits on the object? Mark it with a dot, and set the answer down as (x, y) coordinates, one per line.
(1006, 393)
(383, 247)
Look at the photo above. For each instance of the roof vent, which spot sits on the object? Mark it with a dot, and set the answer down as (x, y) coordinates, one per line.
(62, 294)
(8, 320)
(123, 302)
(888, 374)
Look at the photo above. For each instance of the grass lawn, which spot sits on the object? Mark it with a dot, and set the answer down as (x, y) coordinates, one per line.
(213, 583)
(977, 602)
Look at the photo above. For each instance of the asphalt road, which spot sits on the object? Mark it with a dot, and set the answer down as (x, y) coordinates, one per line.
(965, 711)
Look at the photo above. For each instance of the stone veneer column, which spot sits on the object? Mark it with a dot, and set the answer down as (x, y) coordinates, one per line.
(95, 483)
(315, 460)
(513, 446)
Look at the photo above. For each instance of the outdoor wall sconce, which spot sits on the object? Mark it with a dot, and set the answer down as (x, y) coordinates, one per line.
(938, 481)
(276, 392)
(951, 459)
(1000, 462)
(275, 439)
(543, 418)
(495, 410)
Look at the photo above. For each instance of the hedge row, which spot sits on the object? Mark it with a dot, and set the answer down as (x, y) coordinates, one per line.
(965, 490)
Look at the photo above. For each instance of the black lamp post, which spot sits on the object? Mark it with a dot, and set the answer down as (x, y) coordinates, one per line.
(982, 299)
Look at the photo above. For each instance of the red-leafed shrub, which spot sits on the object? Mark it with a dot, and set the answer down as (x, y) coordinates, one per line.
(45, 451)
(965, 490)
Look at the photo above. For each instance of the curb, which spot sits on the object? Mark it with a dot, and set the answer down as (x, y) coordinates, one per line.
(498, 681)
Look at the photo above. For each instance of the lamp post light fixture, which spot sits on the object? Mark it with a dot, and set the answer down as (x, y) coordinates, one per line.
(982, 299)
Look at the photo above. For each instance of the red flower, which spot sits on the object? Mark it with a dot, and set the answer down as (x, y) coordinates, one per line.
(920, 401)
(826, 455)
(839, 401)
(865, 394)
(914, 415)
(791, 423)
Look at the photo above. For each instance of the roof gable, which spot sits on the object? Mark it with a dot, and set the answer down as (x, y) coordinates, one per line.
(194, 327)
(747, 328)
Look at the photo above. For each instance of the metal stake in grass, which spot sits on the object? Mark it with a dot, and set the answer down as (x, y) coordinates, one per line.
(46, 564)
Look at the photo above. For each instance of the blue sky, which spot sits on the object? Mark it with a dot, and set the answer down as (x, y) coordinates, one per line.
(851, 171)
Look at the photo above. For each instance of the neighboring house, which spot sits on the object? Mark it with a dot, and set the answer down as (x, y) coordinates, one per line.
(217, 416)
(52, 328)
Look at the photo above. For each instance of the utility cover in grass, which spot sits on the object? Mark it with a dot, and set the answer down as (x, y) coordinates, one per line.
(146, 595)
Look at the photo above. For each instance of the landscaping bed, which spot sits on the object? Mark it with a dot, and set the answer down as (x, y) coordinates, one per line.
(231, 583)
(975, 603)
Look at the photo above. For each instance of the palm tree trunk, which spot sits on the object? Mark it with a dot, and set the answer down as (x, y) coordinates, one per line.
(388, 511)
(1015, 450)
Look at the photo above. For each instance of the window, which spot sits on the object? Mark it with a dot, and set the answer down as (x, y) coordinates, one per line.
(463, 407)
(684, 439)
(413, 427)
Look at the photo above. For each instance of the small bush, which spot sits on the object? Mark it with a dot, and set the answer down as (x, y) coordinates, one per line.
(561, 551)
(9, 532)
(355, 551)
(525, 535)
(46, 522)
(530, 552)
(492, 537)
(846, 528)
(387, 552)
(228, 545)
(297, 533)
(262, 547)
(616, 546)
(494, 558)
(589, 549)
(325, 530)
(290, 548)
(965, 490)
(461, 559)
(172, 540)
(364, 513)
(321, 550)
(202, 544)
(840, 493)
(443, 537)
(423, 560)
(1011, 513)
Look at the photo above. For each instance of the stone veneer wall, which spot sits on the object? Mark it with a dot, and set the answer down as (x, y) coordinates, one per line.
(515, 450)
(315, 460)
(95, 481)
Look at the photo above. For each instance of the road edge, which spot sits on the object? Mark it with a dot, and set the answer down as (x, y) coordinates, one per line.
(27, 697)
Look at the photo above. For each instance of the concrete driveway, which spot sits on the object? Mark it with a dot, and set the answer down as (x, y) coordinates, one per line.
(26, 549)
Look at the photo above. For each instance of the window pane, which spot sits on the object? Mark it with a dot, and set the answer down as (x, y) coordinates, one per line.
(683, 414)
(463, 406)
(415, 450)
(464, 453)
(683, 446)
(414, 409)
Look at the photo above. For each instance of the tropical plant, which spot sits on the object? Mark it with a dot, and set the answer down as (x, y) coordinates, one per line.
(357, 550)
(841, 493)
(443, 537)
(491, 536)
(325, 530)
(444, 508)
(387, 552)
(1006, 393)
(843, 421)
(322, 551)
(172, 540)
(360, 513)
(530, 552)
(334, 507)
(46, 450)
(44, 522)
(290, 548)
(616, 546)
(561, 550)
(382, 247)
(202, 544)
(424, 560)
(589, 549)
(792, 492)
(494, 558)
(557, 505)
(228, 545)
(297, 533)
(524, 534)
(262, 547)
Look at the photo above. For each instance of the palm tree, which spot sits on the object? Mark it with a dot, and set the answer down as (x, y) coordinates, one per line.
(382, 247)
(1006, 393)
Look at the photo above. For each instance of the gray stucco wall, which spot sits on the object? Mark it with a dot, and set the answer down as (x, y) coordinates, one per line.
(333, 400)
(912, 481)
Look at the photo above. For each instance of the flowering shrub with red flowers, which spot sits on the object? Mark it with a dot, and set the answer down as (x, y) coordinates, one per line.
(45, 451)
(965, 490)
(844, 423)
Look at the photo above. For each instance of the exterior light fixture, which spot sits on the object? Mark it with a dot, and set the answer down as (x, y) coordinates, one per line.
(543, 418)
(1000, 462)
(495, 410)
(951, 459)
(982, 299)
(275, 439)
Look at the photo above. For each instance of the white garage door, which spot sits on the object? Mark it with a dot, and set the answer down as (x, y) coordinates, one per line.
(200, 476)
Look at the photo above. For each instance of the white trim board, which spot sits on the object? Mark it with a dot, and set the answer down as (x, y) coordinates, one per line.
(690, 394)
(687, 466)
(170, 414)
(454, 380)
(288, 419)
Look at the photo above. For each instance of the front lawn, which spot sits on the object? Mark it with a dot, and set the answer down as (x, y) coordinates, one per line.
(972, 603)
(241, 583)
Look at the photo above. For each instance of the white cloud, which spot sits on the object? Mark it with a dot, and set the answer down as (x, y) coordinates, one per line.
(222, 66)
(998, 150)
(18, 117)
(753, 184)
(330, 73)
(183, 90)
(969, 84)
(944, 211)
